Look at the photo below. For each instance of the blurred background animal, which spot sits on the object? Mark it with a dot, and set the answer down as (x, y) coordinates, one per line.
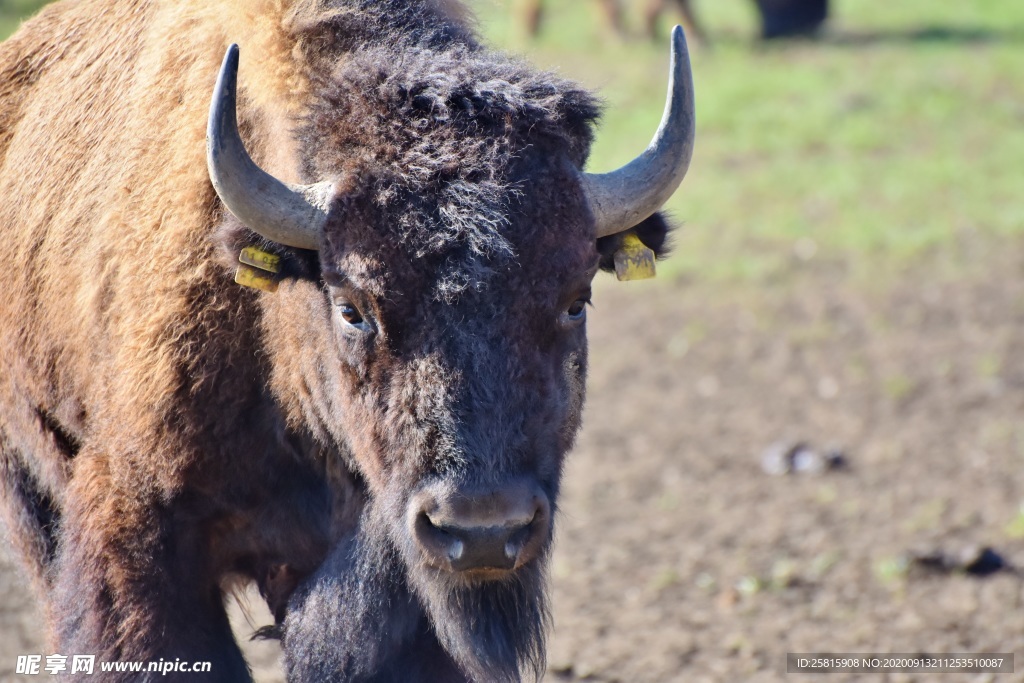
(778, 18)
(655, 8)
(612, 9)
(790, 18)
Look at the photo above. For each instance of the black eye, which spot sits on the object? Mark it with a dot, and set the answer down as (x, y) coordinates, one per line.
(577, 310)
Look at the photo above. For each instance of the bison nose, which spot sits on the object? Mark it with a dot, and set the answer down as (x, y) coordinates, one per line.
(499, 528)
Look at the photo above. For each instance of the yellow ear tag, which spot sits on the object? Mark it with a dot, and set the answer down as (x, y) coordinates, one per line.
(257, 258)
(633, 260)
(257, 279)
(265, 263)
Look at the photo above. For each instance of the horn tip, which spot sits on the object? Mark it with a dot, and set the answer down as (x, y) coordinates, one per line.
(678, 40)
(229, 65)
(228, 72)
(222, 105)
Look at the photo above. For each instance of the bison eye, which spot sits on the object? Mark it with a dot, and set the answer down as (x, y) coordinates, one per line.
(351, 315)
(576, 312)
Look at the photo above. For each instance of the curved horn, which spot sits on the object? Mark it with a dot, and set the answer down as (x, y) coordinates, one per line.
(292, 215)
(621, 199)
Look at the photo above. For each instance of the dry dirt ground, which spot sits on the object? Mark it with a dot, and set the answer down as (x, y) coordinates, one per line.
(679, 557)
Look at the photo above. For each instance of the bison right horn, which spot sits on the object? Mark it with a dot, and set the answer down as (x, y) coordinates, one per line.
(292, 215)
(625, 197)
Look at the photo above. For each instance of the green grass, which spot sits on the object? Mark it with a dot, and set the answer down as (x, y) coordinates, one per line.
(13, 11)
(900, 133)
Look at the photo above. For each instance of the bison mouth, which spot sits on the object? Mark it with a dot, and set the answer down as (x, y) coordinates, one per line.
(377, 611)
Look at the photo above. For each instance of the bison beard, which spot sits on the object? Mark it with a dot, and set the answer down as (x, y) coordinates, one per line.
(368, 616)
(495, 630)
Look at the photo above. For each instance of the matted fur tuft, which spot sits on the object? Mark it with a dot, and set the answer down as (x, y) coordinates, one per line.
(435, 132)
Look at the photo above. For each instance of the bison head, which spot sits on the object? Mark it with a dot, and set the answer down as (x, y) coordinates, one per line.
(433, 339)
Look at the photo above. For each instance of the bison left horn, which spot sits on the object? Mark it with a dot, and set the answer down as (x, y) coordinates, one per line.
(292, 215)
(623, 198)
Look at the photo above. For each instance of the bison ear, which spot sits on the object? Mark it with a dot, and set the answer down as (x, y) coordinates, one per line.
(653, 232)
(231, 237)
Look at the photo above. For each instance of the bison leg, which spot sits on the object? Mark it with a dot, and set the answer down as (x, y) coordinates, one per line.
(131, 583)
(694, 29)
(652, 12)
(533, 16)
(29, 515)
(613, 14)
(36, 450)
(693, 25)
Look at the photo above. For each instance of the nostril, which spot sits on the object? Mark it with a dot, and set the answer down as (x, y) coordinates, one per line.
(519, 537)
(438, 543)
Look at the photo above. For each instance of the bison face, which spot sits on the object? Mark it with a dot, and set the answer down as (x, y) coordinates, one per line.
(460, 383)
(453, 375)
(436, 342)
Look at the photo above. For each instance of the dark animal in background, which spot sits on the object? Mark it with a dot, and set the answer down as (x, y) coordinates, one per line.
(376, 437)
(790, 18)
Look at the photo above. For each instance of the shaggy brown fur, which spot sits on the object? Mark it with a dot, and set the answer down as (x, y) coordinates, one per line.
(164, 432)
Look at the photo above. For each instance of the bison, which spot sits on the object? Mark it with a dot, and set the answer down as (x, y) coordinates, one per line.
(788, 18)
(374, 431)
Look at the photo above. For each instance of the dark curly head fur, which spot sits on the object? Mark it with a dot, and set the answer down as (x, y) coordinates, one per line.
(437, 139)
